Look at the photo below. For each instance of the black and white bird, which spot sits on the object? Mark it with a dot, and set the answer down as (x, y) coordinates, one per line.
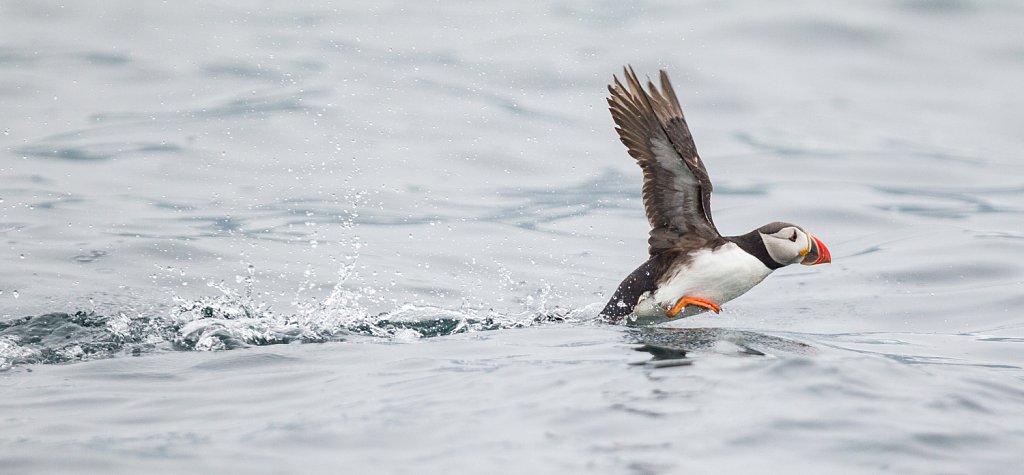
(692, 267)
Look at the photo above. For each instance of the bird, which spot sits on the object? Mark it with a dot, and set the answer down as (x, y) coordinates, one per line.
(692, 268)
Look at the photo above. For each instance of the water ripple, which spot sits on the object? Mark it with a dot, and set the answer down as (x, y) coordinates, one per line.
(97, 151)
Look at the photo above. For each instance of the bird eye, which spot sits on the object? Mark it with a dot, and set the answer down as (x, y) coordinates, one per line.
(793, 237)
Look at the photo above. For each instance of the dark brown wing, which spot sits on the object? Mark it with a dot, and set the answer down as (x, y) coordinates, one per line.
(677, 189)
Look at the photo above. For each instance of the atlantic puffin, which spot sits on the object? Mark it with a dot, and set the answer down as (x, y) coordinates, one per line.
(692, 268)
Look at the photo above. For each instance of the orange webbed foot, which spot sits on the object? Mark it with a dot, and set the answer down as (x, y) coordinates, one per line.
(690, 300)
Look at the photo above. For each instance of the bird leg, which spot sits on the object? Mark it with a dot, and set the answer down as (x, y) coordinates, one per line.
(690, 300)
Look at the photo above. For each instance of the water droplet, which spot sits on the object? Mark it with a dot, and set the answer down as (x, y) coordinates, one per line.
(7, 131)
(15, 294)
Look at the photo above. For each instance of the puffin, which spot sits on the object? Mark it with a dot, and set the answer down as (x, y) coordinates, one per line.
(692, 268)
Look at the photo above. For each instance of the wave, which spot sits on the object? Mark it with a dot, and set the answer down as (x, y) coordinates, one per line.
(233, 318)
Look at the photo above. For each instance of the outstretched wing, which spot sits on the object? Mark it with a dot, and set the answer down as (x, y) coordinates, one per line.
(677, 189)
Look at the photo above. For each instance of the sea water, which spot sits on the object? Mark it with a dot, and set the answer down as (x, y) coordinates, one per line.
(366, 237)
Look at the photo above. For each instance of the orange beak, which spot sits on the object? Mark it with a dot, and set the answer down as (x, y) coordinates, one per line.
(817, 254)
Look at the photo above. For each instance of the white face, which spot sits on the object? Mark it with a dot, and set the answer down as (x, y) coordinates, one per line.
(787, 246)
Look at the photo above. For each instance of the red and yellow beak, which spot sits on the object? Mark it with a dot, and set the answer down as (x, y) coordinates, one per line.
(816, 253)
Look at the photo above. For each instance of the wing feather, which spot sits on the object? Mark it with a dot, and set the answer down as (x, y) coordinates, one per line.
(677, 188)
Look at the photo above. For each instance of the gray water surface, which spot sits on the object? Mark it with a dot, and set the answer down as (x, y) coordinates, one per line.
(373, 237)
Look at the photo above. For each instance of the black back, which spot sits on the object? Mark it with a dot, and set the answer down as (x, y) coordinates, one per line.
(644, 278)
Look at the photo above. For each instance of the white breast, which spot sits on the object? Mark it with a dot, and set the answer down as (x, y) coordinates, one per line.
(719, 276)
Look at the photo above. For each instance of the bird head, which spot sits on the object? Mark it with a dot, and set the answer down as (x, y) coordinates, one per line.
(790, 244)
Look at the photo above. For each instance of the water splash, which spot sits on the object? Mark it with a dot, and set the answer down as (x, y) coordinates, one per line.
(236, 318)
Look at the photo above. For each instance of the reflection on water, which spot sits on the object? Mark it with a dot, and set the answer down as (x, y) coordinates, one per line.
(675, 344)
